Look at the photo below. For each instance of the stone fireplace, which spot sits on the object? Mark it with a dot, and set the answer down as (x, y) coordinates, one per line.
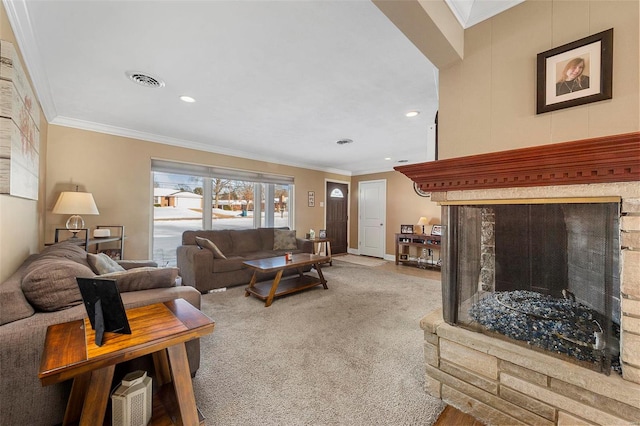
(579, 205)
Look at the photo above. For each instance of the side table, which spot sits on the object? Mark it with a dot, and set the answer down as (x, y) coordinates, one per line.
(87, 242)
(160, 329)
(317, 248)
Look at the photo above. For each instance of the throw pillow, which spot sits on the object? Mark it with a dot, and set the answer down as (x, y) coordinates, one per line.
(66, 249)
(284, 240)
(103, 264)
(50, 284)
(143, 278)
(205, 243)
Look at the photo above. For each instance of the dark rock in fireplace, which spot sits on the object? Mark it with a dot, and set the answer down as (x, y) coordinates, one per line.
(563, 326)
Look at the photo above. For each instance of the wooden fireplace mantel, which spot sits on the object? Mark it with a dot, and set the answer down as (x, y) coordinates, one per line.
(613, 158)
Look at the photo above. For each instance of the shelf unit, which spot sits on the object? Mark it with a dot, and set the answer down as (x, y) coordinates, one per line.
(117, 250)
(430, 243)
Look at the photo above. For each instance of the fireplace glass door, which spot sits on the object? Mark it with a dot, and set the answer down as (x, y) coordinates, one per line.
(545, 275)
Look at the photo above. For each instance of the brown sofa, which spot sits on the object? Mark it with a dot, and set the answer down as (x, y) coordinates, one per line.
(52, 297)
(205, 270)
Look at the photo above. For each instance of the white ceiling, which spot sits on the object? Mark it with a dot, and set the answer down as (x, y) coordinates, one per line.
(279, 81)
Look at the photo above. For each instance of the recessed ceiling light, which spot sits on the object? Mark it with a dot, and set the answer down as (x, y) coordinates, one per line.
(387, 158)
(187, 99)
(412, 113)
(344, 141)
(144, 79)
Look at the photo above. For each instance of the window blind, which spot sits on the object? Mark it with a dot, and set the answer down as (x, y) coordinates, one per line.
(191, 169)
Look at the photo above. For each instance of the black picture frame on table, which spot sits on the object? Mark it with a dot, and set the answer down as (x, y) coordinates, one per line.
(104, 306)
(406, 229)
(595, 83)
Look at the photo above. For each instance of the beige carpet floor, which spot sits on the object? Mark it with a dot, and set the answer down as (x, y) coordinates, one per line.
(349, 355)
(359, 260)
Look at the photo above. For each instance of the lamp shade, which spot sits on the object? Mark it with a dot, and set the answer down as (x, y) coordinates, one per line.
(75, 203)
(422, 222)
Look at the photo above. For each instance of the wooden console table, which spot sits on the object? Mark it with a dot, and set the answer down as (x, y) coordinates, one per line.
(404, 242)
(160, 329)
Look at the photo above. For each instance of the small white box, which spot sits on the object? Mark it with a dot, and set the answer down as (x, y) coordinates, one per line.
(101, 233)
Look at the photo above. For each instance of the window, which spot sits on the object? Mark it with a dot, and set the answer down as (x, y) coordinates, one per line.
(336, 193)
(181, 191)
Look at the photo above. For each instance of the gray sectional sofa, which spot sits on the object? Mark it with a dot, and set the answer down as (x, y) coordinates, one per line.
(205, 269)
(43, 292)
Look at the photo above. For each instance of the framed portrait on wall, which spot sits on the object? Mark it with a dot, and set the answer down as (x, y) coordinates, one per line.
(576, 73)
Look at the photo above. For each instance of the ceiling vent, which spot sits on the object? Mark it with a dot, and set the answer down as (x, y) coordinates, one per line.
(344, 141)
(144, 79)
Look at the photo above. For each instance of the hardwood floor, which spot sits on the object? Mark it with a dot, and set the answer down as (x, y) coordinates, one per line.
(453, 417)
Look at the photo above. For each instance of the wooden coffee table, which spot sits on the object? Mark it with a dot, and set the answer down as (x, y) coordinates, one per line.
(161, 329)
(267, 291)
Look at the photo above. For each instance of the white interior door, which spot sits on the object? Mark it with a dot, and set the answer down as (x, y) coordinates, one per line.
(372, 207)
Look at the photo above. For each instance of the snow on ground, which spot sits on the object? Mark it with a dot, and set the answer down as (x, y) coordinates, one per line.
(170, 222)
(164, 213)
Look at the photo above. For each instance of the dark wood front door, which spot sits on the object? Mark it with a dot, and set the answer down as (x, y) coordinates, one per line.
(337, 202)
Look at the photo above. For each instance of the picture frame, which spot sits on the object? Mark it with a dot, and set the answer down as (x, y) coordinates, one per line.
(403, 257)
(312, 199)
(406, 229)
(576, 73)
(104, 307)
(322, 233)
(436, 230)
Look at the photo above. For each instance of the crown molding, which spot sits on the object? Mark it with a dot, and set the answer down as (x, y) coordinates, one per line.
(182, 143)
(28, 49)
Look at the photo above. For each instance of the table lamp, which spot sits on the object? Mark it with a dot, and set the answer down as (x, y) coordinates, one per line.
(75, 204)
(422, 222)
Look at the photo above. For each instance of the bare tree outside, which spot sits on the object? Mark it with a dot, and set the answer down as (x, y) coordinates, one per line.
(245, 193)
(218, 187)
(281, 195)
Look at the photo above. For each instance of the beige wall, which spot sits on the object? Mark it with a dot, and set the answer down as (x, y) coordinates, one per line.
(488, 101)
(117, 171)
(21, 220)
(404, 206)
